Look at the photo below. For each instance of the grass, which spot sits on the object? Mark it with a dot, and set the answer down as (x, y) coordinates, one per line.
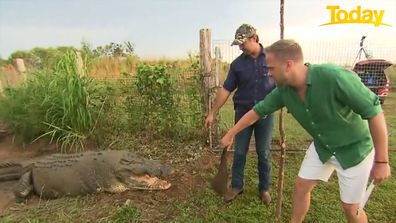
(392, 75)
(206, 206)
(80, 209)
(126, 214)
(58, 104)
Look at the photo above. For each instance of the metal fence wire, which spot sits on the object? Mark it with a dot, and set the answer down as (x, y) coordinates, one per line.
(371, 63)
(343, 53)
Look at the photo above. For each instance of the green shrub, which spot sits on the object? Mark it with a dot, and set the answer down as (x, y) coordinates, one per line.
(164, 100)
(190, 98)
(157, 89)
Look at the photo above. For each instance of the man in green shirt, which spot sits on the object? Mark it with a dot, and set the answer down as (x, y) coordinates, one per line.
(332, 105)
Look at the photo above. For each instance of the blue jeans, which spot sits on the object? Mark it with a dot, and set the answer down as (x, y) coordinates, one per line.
(263, 134)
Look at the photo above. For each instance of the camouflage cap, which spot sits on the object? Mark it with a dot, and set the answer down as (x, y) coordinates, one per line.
(242, 33)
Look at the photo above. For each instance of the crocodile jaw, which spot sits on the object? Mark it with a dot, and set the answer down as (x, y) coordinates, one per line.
(147, 182)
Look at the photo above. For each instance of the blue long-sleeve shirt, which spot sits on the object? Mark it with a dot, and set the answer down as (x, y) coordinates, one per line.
(250, 77)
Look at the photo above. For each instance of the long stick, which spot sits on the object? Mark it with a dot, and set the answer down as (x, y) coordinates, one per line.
(210, 127)
(282, 140)
(367, 194)
(281, 173)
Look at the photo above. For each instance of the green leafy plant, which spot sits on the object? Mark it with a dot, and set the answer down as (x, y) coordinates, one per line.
(157, 90)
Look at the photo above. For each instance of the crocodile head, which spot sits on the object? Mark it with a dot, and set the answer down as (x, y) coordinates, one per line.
(139, 173)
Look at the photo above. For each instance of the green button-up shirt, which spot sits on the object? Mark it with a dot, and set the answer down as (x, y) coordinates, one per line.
(333, 112)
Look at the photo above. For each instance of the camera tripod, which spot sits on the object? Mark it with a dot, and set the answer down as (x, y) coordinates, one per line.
(362, 51)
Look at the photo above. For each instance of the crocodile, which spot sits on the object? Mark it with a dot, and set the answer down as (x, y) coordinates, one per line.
(58, 175)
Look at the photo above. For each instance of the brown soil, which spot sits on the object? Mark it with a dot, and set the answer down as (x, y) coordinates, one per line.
(9, 150)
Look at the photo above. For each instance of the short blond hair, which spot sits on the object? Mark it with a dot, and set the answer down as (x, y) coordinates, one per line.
(286, 49)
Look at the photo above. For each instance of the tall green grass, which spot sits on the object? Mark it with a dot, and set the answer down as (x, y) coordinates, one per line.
(60, 104)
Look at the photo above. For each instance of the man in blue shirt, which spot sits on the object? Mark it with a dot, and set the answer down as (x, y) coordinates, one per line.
(248, 75)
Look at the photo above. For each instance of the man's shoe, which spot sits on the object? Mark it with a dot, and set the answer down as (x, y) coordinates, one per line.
(232, 194)
(266, 197)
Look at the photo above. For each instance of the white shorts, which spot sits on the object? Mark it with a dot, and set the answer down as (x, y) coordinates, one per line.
(352, 181)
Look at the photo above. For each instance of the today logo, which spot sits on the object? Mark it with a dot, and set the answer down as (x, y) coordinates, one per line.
(367, 16)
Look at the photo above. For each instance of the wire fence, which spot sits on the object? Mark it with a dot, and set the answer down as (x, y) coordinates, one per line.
(349, 54)
(343, 53)
(152, 99)
(165, 101)
(185, 76)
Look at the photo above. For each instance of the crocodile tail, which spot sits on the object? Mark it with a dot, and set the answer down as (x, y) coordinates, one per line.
(10, 171)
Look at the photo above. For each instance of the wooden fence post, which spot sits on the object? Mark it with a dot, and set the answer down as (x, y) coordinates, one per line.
(206, 73)
(218, 66)
(80, 64)
(1, 88)
(20, 67)
(215, 87)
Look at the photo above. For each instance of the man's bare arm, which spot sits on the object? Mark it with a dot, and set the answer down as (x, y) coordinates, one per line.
(379, 133)
(247, 120)
(221, 98)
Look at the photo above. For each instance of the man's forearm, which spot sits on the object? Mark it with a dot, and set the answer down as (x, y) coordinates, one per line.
(379, 134)
(221, 98)
(247, 120)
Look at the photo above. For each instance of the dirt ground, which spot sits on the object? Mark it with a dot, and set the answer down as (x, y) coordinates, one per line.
(10, 151)
(187, 178)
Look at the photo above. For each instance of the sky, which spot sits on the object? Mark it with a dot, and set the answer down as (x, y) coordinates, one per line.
(170, 28)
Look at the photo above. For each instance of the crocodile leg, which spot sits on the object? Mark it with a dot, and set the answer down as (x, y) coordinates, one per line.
(24, 187)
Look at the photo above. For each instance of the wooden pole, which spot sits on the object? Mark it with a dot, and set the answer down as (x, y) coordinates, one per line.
(216, 86)
(282, 26)
(282, 140)
(20, 67)
(218, 66)
(206, 70)
(1, 87)
(80, 64)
